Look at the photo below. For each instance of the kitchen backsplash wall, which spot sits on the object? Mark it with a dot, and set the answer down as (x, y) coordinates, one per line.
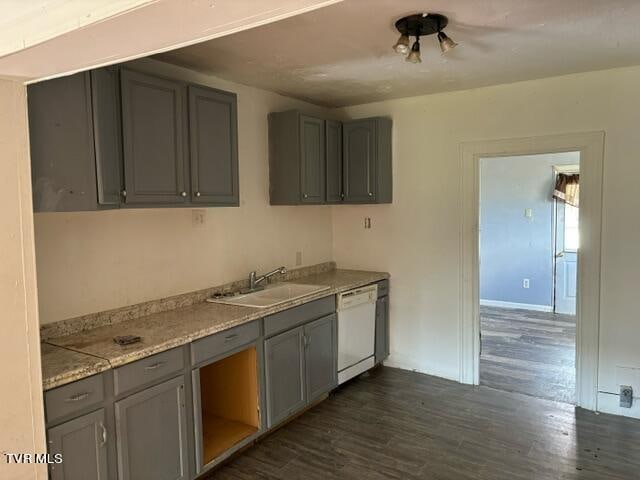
(93, 261)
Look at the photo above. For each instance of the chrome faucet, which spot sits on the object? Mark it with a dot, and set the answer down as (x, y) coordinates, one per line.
(254, 280)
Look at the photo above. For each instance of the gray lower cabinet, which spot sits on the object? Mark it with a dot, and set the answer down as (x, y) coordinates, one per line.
(213, 141)
(151, 429)
(153, 134)
(284, 375)
(382, 329)
(300, 366)
(321, 356)
(82, 442)
(366, 160)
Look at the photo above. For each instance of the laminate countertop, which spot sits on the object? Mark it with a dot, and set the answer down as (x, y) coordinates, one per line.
(86, 353)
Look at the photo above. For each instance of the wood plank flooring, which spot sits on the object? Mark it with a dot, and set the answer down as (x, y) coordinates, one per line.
(528, 352)
(396, 424)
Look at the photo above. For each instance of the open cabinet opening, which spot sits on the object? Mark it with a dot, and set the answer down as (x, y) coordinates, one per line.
(229, 400)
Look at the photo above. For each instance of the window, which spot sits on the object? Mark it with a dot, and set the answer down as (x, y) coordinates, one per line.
(571, 231)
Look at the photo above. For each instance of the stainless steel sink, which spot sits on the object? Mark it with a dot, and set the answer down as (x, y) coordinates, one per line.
(272, 295)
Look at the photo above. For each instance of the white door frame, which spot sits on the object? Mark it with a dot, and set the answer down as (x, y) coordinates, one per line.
(591, 148)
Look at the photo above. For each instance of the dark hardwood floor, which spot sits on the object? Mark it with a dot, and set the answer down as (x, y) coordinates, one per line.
(396, 424)
(529, 352)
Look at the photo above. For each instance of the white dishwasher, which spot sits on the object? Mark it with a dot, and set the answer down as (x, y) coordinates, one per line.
(356, 331)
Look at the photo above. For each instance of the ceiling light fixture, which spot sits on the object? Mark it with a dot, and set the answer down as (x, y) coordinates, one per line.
(419, 25)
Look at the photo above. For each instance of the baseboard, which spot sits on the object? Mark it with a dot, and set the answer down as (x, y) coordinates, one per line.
(610, 403)
(519, 306)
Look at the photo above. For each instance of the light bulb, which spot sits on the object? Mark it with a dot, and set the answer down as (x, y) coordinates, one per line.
(402, 45)
(414, 55)
(446, 43)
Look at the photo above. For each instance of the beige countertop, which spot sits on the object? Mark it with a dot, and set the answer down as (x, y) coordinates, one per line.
(92, 351)
(61, 364)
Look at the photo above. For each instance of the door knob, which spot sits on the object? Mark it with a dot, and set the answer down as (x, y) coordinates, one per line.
(559, 254)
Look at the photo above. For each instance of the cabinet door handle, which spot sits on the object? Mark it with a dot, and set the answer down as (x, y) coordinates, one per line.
(371, 194)
(342, 196)
(197, 194)
(154, 366)
(230, 338)
(78, 397)
(124, 193)
(304, 195)
(183, 194)
(104, 434)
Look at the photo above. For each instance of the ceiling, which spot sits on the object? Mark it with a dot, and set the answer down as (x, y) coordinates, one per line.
(341, 54)
(26, 23)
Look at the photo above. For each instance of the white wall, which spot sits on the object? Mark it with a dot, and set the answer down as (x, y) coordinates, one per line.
(89, 262)
(418, 238)
(21, 413)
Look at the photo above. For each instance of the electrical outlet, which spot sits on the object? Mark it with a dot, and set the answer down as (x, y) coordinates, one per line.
(298, 259)
(198, 218)
(367, 222)
(626, 396)
(528, 212)
(525, 283)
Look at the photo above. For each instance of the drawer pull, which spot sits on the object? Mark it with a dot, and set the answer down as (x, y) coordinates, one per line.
(78, 397)
(154, 366)
(104, 435)
(230, 338)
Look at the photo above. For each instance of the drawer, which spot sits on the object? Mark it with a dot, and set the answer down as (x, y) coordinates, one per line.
(383, 288)
(293, 317)
(147, 370)
(74, 397)
(216, 344)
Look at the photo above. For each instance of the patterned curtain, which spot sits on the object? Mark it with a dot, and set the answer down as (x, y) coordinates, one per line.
(567, 188)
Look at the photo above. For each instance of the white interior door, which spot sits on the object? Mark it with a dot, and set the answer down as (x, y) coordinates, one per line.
(566, 258)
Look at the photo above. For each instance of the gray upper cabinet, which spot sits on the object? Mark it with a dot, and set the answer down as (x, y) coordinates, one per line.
(367, 160)
(333, 149)
(320, 362)
(151, 428)
(105, 103)
(82, 442)
(312, 161)
(285, 375)
(153, 131)
(297, 164)
(213, 141)
(316, 161)
(75, 148)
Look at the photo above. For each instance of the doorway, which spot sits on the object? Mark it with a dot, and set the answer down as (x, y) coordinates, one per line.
(591, 148)
(528, 273)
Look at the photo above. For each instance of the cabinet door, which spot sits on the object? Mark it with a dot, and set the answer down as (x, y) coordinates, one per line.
(151, 429)
(82, 442)
(312, 160)
(321, 361)
(359, 161)
(382, 329)
(153, 124)
(213, 138)
(105, 100)
(334, 161)
(284, 372)
(62, 150)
